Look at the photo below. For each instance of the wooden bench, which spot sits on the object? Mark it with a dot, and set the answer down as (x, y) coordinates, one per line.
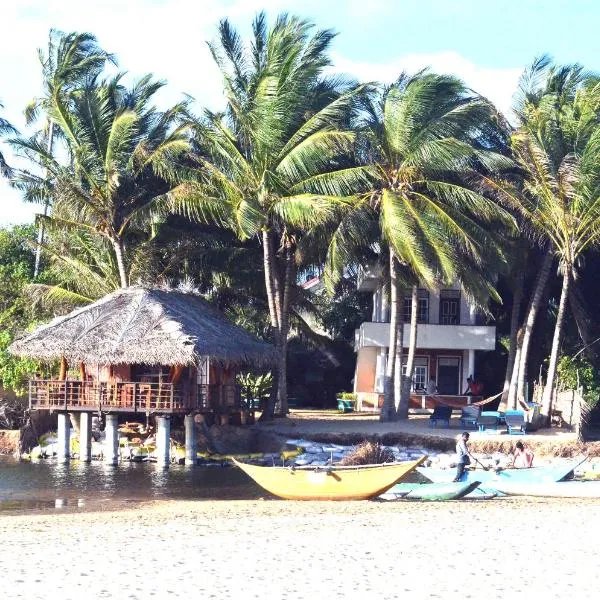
(488, 420)
(441, 414)
(345, 405)
(469, 416)
(515, 421)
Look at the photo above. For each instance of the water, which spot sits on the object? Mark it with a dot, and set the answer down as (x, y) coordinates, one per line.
(47, 485)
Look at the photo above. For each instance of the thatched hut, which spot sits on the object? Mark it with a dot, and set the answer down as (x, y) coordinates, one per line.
(143, 350)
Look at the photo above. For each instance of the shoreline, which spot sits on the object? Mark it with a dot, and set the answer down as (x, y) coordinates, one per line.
(303, 550)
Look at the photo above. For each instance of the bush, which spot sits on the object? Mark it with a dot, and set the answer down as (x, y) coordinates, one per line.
(346, 396)
(368, 453)
(579, 372)
(13, 413)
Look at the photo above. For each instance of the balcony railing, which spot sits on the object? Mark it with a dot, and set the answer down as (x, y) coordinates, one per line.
(132, 396)
(431, 336)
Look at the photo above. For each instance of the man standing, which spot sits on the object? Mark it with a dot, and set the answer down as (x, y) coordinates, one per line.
(463, 455)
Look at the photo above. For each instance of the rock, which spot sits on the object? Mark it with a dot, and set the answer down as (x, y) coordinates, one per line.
(314, 449)
(302, 443)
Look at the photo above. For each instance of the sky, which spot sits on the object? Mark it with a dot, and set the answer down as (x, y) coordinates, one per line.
(487, 43)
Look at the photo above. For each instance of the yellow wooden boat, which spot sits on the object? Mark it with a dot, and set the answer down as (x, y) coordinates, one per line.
(331, 482)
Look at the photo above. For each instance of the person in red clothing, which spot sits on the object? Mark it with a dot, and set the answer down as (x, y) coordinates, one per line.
(522, 457)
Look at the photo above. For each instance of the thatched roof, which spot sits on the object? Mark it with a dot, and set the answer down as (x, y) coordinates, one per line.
(139, 325)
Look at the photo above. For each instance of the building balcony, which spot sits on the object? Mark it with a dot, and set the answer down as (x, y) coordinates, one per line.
(430, 336)
(132, 396)
(368, 279)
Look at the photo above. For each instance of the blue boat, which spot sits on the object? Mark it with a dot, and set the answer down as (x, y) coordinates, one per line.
(522, 476)
(430, 491)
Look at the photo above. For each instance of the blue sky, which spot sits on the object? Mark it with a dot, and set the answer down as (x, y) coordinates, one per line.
(486, 42)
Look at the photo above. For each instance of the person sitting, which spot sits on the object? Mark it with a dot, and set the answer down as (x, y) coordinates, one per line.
(469, 391)
(431, 387)
(474, 388)
(522, 457)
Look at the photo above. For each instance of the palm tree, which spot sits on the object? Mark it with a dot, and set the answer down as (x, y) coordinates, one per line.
(124, 158)
(71, 58)
(560, 158)
(5, 128)
(425, 140)
(544, 106)
(268, 159)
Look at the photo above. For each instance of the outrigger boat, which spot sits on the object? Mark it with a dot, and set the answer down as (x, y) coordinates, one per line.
(330, 482)
(549, 474)
(560, 489)
(430, 491)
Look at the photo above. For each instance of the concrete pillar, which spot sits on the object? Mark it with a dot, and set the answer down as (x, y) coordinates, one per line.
(64, 437)
(163, 440)
(85, 437)
(190, 440)
(471, 363)
(472, 314)
(111, 442)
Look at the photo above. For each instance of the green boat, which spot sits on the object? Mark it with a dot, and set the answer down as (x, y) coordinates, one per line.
(430, 491)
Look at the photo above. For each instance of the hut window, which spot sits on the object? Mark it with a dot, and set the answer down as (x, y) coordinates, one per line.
(203, 371)
(150, 373)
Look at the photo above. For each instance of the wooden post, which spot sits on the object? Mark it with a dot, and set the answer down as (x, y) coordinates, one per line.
(64, 366)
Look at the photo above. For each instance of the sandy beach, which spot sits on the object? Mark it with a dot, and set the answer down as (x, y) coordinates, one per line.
(292, 550)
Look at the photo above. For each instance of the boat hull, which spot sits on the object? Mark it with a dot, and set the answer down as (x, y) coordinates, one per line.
(430, 491)
(561, 489)
(488, 478)
(329, 483)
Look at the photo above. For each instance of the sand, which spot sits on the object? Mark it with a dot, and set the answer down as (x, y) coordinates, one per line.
(504, 548)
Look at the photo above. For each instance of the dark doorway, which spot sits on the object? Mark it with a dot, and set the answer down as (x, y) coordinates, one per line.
(448, 376)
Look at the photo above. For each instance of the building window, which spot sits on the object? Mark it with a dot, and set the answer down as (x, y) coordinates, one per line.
(420, 374)
(423, 306)
(449, 307)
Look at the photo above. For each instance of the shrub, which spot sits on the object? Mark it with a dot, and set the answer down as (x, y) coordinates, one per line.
(368, 453)
(13, 412)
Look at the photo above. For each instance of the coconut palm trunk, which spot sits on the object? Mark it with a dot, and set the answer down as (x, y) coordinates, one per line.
(41, 229)
(401, 408)
(518, 393)
(273, 301)
(512, 388)
(388, 410)
(412, 349)
(121, 263)
(549, 389)
(268, 260)
(514, 330)
(282, 399)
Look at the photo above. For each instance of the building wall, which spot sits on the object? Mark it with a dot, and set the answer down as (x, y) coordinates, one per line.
(381, 306)
(366, 361)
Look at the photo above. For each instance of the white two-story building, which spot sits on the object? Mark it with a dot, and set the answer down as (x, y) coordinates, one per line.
(448, 335)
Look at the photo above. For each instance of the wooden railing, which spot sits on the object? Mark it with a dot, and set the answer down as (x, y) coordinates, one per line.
(131, 396)
(219, 398)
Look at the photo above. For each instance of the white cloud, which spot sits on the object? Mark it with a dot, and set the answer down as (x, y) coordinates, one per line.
(498, 85)
(165, 37)
(168, 38)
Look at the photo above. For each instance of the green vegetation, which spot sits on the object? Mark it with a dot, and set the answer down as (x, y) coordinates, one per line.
(574, 373)
(305, 171)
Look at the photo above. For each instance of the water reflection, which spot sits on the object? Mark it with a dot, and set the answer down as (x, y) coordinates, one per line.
(38, 485)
